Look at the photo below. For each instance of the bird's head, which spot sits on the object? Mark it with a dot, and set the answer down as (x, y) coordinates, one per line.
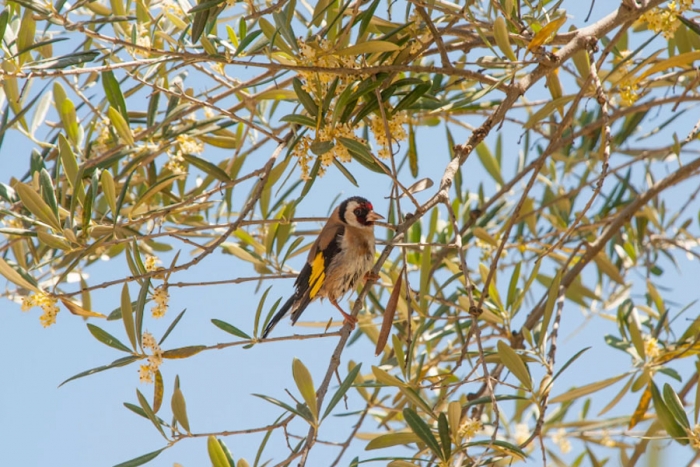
(358, 212)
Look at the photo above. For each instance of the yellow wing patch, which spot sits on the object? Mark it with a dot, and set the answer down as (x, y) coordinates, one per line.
(318, 274)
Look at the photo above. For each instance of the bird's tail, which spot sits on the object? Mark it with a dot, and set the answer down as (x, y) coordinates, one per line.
(279, 315)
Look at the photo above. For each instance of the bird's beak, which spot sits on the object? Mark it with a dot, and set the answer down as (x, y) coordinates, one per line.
(373, 216)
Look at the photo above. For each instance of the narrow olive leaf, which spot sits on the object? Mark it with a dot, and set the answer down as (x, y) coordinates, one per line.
(444, 432)
(70, 165)
(392, 439)
(362, 154)
(305, 98)
(420, 185)
(389, 313)
(636, 334)
(552, 297)
(674, 404)
(410, 98)
(489, 162)
(625, 389)
(385, 378)
(109, 190)
(286, 407)
(666, 417)
(79, 310)
(149, 412)
(509, 448)
(48, 191)
(12, 275)
(697, 394)
(156, 188)
(422, 430)
(642, 407)
(128, 316)
(412, 153)
(217, 456)
(207, 167)
(246, 41)
(368, 48)
(587, 389)
(230, 328)
(500, 33)
(339, 165)
(179, 408)
(37, 206)
(114, 93)
(122, 195)
(305, 384)
(299, 120)
(158, 391)
(454, 416)
(184, 352)
(259, 311)
(344, 386)
(115, 364)
(515, 364)
(229, 457)
(135, 462)
(140, 306)
(106, 338)
(566, 365)
(120, 125)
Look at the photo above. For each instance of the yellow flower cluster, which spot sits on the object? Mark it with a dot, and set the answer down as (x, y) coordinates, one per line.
(628, 86)
(665, 19)
(396, 132)
(46, 302)
(469, 428)
(329, 133)
(694, 437)
(651, 347)
(186, 144)
(161, 297)
(560, 439)
(150, 263)
(320, 54)
(148, 371)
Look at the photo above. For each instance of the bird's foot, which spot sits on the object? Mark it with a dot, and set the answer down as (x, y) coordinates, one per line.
(349, 319)
(371, 277)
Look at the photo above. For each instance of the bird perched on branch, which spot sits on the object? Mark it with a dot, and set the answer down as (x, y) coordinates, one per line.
(342, 254)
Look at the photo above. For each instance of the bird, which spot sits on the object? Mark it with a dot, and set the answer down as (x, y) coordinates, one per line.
(341, 255)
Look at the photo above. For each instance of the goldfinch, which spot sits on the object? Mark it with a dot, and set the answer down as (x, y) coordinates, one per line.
(342, 254)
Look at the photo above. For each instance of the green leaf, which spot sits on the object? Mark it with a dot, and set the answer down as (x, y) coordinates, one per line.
(552, 297)
(37, 206)
(305, 98)
(361, 154)
(392, 439)
(115, 364)
(674, 404)
(230, 328)
(172, 326)
(207, 167)
(217, 456)
(299, 120)
(141, 459)
(341, 167)
(515, 364)
(305, 384)
(489, 162)
(109, 191)
(140, 306)
(667, 418)
(411, 97)
(179, 408)
(579, 392)
(106, 338)
(422, 430)
(114, 94)
(184, 352)
(344, 386)
(246, 41)
(444, 432)
(149, 412)
(128, 316)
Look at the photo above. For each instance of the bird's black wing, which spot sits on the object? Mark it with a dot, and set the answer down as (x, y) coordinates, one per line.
(313, 274)
(311, 277)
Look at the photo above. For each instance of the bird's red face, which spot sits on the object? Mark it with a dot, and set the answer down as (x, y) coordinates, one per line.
(358, 212)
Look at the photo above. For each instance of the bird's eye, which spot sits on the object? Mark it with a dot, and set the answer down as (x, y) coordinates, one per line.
(358, 212)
